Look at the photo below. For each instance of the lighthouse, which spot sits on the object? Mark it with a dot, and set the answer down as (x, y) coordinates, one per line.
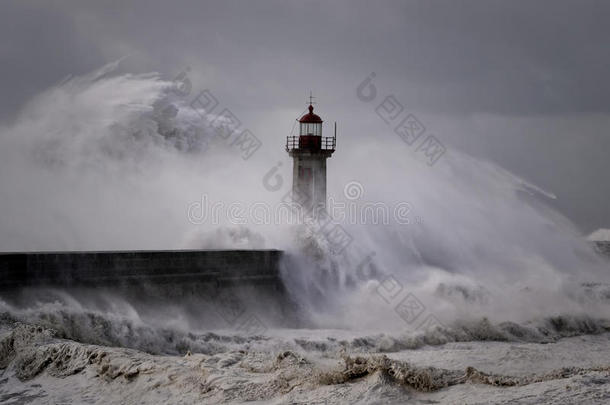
(309, 152)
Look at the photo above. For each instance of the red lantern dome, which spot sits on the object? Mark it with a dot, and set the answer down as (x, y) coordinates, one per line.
(310, 117)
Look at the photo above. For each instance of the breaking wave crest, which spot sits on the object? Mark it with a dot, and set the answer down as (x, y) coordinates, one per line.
(123, 325)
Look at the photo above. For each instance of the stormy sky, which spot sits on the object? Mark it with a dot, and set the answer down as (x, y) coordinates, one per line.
(520, 83)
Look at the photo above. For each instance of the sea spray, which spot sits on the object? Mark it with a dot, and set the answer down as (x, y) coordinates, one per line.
(480, 244)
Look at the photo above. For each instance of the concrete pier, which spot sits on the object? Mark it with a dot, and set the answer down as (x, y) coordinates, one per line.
(218, 267)
(218, 288)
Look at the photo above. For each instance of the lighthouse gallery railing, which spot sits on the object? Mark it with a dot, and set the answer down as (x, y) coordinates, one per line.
(311, 142)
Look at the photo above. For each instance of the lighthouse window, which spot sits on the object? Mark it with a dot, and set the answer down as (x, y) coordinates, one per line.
(311, 129)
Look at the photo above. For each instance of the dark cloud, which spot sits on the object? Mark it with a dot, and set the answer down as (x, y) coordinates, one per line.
(38, 47)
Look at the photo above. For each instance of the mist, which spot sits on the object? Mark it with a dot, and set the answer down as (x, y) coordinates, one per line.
(124, 161)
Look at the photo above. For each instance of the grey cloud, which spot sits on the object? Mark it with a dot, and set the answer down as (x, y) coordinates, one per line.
(537, 63)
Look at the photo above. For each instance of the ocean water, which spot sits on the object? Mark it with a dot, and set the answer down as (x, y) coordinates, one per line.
(562, 361)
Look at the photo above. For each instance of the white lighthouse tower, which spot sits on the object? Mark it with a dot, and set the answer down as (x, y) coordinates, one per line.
(309, 152)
